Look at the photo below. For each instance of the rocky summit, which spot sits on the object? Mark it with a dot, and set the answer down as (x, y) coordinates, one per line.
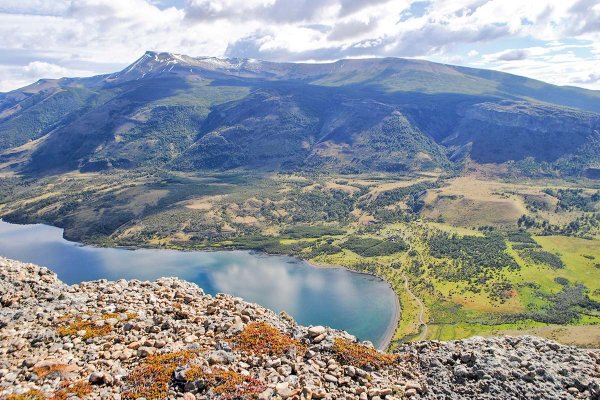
(169, 340)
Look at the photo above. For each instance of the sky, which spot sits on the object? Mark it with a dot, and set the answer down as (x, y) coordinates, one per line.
(557, 41)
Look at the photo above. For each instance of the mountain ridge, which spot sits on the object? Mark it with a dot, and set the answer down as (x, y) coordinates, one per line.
(158, 111)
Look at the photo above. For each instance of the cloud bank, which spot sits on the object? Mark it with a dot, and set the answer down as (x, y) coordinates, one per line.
(555, 40)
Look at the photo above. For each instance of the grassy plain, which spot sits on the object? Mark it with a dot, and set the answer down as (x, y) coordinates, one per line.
(385, 224)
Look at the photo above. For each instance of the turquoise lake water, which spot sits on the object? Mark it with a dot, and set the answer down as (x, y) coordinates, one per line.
(360, 304)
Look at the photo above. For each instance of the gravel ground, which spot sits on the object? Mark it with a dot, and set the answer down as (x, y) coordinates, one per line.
(168, 339)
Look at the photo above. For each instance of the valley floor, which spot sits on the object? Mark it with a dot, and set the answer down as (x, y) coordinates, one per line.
(480, 255)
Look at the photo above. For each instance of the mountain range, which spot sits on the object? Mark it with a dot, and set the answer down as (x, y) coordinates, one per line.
(387, 114)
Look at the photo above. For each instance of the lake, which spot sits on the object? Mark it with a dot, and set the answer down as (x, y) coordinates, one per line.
(360, 304)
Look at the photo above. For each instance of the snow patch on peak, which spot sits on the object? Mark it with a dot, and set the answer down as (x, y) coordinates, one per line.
(153, 63)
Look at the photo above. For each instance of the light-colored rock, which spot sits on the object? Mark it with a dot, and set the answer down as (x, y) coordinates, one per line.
(315, 331)
(170, 315)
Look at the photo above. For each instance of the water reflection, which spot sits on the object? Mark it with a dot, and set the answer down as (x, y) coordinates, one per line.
(357, 303)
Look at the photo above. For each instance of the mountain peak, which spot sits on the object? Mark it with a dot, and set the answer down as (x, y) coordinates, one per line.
(154, 63)
(163, 56)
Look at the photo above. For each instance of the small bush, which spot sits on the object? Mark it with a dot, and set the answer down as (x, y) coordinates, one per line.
(561, 281)
(543, 257)
(521, 237)
(370, 247)
(324, 249)
(311, 231)
(566, 306)
(260, 338)
(522, 246)
(361, 356)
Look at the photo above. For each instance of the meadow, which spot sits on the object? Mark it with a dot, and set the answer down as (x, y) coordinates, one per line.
(482, 256)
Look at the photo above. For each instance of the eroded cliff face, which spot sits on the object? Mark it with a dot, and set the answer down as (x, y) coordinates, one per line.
(167, 339)
(497, 132)
(533, 116)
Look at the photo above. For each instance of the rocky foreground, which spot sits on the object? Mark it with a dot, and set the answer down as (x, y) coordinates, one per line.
(167, 339)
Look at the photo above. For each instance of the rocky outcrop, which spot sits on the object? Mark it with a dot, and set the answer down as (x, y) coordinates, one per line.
(168, 339)
(533, 116)
(523, 367)
(541, 132)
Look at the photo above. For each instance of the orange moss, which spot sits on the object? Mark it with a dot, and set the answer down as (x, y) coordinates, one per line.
(32, 394)
(46, 370)
(177, 358)
(227, 385)
(80, 389)
(233, 385)
(69, 325)
(90, 328)
(151, 379)
(194, 373)
(129, 315)
(260, 338)
(361, 356)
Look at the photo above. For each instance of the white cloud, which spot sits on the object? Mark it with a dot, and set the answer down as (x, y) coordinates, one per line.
(39, 7)
(38, 69)
(100, 36)
(12, 77)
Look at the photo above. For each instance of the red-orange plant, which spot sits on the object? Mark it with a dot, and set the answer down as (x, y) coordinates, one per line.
(260, 338)
(361, 356)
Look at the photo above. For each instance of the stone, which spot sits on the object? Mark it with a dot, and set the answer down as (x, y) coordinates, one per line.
(315, 331)
(350, 370)
(501, 368)
(283, 389)
(460, 371)
(266, 395)
(101, 378)
(144, 351)
(320, 338)
(413, 385)
(218, 357)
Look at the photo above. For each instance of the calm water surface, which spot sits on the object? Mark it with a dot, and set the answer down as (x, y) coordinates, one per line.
(363, 305)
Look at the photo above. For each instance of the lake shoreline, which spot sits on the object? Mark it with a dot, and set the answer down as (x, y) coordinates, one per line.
(393, 326)
(385, 338)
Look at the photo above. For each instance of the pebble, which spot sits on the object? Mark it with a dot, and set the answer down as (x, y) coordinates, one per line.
(315, 331)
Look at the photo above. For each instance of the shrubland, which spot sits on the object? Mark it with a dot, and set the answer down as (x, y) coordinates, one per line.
(474, 272)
